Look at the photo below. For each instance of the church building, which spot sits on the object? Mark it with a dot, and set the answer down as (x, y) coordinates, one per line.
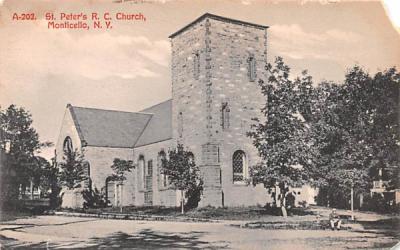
(216, 65)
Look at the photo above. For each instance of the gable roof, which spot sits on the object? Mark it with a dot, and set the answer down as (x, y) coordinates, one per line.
(120, 129)
(108, 128)
(159, 127)
(219, 18)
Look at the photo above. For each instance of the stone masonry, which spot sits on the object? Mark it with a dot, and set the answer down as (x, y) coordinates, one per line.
(216, 65)
(224, 48)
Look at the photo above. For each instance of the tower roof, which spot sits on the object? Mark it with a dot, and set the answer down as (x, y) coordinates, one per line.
(219, 18)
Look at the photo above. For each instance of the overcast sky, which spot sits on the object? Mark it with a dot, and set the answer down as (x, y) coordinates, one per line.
(128, 67)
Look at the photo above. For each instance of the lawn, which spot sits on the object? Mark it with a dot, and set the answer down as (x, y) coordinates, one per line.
(222, 213)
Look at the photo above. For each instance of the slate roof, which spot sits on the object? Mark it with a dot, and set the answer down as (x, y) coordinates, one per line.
(120, 129)
(160, 126)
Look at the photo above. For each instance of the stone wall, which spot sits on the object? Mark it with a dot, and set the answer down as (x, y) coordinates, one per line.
(70, 198)
(100, 160)
(161, 195)
(224, 49)
(68, 129)
(232, 46)
(188, 91)
(190, 81)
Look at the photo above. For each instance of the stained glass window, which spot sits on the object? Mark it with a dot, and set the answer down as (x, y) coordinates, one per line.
(239, 166)
(68, 145)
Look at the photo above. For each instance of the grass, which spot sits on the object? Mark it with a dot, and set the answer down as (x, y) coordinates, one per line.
(389, 226)
(224, 213)
(14, 214)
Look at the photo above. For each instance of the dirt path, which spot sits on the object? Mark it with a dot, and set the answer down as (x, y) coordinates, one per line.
(60, 232)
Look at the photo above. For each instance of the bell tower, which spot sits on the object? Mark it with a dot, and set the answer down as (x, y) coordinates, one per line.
(216, 65)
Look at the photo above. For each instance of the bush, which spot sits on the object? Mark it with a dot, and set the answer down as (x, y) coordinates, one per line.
(93, 199)
(380, 203)
(193, 195)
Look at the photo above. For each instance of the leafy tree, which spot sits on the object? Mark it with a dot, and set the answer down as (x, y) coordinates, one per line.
(283, 138)
(182, 172)
(120, 167)
(49, 182)
(23, 143)
(72, 170)
(380, 118)
(336, 172)
(355, 127)
(338, 135)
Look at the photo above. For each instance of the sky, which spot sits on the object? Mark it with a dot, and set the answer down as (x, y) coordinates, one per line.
(128, 67)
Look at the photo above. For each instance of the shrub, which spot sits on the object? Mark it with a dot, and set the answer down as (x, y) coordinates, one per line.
(379, 203)
(93, 199)
(193, 195)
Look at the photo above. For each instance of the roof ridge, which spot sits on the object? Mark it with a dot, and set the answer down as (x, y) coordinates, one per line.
(170, 99)
(76, 122)
(111, 110)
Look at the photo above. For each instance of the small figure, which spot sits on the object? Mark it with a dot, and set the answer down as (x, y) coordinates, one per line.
(335, 220)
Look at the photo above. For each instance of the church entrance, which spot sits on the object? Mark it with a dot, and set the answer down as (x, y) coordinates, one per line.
(114, 193)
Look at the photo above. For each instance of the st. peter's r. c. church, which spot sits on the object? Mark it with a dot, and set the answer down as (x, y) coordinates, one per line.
(216, 65)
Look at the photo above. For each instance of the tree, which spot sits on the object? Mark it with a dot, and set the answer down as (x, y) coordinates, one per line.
(23, 142)
(283, 139)
(120, 167)
(334, 147)
(356, 133)
(72, 170)
(338, 135)
(380, 118)
(49, 182)
(182, 172)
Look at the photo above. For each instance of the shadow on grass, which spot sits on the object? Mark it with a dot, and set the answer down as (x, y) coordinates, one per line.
(13, 215)
(389, 227)
(243, 213)
(155, 240)
(145, 239)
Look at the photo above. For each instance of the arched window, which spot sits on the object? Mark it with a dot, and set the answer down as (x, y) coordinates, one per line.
(252, 68)
(141, 171)
(148, 176)
(149, 169)
(239, 166)
(163, 180)
(225, 112)
(86, 169)
(67, 146)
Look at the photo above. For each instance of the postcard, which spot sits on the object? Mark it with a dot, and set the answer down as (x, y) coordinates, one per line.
(166, 124)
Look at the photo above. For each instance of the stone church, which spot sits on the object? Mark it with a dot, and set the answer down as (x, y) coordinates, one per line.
(216, 65)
